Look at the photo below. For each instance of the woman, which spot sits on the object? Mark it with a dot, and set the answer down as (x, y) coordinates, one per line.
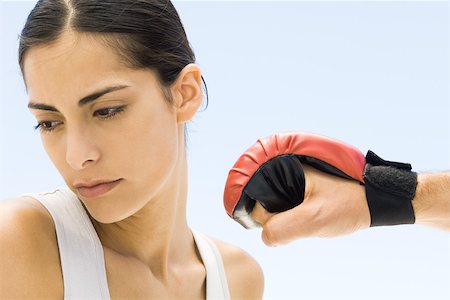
(112, 84)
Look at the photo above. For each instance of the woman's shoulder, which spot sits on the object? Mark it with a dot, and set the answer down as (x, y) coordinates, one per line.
(244, 275)
(24, 217)
(29, 259)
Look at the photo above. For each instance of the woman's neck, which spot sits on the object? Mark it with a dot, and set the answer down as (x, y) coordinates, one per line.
(157, 235)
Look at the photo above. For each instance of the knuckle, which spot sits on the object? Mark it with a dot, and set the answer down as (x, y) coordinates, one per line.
(270, 238)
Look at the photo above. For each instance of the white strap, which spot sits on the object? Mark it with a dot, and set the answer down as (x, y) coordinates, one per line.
(216, 280)
(80, 250)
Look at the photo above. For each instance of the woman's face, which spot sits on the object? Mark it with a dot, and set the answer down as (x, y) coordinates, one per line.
(107, 128)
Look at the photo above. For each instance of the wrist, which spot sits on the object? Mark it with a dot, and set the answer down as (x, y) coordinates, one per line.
(420, 205)
(431, 203)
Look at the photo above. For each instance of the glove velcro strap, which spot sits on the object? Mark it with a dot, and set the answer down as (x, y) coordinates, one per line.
(390, 188)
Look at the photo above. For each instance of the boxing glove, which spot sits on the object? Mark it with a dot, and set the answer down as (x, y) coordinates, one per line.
(271, 172)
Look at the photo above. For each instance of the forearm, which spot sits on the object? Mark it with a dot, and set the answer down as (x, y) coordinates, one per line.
(432, 200)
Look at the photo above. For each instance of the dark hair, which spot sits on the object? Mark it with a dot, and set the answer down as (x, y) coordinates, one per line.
(144, 33)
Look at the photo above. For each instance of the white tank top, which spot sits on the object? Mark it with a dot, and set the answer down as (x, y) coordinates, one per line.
(81, 253)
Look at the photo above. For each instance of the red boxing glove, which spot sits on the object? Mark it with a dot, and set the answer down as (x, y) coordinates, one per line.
(271, 173)
(284, 152)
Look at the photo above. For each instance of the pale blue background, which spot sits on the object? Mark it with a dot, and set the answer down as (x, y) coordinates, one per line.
(374, 74)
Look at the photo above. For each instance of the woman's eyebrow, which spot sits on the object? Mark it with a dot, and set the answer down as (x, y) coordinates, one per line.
(83, 101)
(96, 95)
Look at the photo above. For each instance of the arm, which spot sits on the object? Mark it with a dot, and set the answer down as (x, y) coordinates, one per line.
(29, 261)
(432, 201)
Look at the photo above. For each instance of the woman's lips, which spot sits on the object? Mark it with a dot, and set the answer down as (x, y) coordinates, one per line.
(97, 190)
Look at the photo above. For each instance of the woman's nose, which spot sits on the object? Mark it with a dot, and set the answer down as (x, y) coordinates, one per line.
(81, 149)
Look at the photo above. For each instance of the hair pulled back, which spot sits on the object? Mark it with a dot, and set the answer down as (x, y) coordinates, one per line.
(144, 33)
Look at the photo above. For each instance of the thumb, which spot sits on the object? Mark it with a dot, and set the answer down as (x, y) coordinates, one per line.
(290, 225)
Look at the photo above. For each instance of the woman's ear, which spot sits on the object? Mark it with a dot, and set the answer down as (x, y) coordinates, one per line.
(187, 92)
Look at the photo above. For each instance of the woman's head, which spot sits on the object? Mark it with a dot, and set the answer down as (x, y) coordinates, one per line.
(101, 98)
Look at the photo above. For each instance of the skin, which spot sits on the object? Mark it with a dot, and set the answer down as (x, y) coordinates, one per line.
(142, 144)
(334, 206)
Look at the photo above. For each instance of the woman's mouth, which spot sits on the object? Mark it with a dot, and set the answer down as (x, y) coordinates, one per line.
(96, 189)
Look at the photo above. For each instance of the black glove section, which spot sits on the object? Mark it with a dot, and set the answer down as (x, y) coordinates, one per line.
(279, 184)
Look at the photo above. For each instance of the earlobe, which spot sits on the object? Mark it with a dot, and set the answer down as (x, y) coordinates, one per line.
(189, 94)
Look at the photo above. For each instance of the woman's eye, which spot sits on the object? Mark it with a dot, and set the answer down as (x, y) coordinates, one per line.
(109, 112)
(47, 125)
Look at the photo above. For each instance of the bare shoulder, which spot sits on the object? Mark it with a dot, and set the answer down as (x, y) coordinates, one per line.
(29, 260)
(244, 275)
